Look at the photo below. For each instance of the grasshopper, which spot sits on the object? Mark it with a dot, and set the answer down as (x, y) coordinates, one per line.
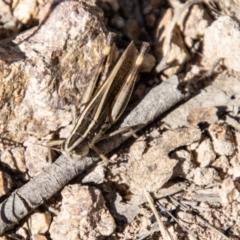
(108, 102)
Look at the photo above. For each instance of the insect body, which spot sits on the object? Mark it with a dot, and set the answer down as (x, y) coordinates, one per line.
(107, 104)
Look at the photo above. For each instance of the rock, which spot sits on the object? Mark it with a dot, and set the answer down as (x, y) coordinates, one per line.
(204, 176)
(221, 41)
(222, 138)
(39, 222)
(221, 163)
(205, 153)
(193, 23)
(38, 237)
(83, 215)
(148, 63)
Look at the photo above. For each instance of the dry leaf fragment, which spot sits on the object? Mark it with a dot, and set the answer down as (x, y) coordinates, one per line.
(178, 54)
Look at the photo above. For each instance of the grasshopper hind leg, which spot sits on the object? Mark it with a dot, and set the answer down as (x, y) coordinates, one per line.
(93, 85)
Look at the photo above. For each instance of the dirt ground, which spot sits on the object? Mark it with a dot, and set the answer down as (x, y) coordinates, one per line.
(176, 178)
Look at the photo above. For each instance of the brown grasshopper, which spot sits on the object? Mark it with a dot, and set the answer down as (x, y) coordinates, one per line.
(108, 101)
